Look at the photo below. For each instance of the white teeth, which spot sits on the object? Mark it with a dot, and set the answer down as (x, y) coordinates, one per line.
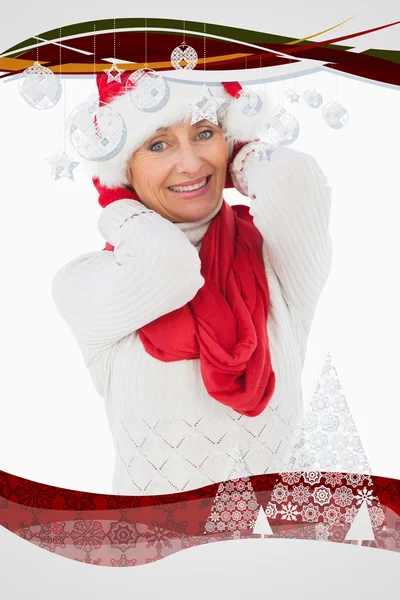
(188, 188)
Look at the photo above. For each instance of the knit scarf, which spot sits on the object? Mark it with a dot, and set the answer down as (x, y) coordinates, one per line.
(225, 324)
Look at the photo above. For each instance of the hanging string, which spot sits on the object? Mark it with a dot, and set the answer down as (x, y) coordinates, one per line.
(184, 32)
(204, 53)
(115, 51)
(145, 42)
(94, 51)
(37, 48)
(63, 84)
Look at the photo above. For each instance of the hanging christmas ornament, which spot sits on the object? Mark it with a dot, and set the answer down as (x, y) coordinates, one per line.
(249, 103)
(62, 165)
(96, 135)
(313, 98)
(282, 127)
(184, 57)
(335, 115)
(206, 108)
(39, 87)
(294, 97)
(148, 91)
(114, 74)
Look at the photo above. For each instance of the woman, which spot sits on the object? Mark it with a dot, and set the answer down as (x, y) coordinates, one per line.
(194, 319)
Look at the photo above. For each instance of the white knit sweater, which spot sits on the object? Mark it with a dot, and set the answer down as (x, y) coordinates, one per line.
(169, 434)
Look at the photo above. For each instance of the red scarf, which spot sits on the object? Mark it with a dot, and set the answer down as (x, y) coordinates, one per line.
(225, 325)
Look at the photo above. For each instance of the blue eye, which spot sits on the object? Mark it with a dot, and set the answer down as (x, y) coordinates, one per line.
(154, 148)
(206, 131)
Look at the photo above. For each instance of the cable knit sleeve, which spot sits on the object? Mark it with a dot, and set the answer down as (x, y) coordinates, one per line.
(290, 202)
(104, 296)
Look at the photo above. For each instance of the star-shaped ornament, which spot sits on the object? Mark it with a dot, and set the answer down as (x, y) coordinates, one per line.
(114, 74)
(264, 153)
(294, 97)
(62, 166)
(206, 108)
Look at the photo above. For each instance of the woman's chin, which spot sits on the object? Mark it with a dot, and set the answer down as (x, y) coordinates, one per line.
(194, 209)
(191, 212)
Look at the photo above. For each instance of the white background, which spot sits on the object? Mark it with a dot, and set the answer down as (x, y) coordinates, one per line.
(53, 426)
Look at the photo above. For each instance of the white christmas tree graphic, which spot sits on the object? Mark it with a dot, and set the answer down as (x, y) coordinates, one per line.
(235, 505)
(262, 526)
(327, 439)
(361, 527)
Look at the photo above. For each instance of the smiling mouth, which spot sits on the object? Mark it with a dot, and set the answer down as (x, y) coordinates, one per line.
(190, 188)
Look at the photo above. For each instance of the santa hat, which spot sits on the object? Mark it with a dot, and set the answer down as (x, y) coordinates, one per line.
(239, 124)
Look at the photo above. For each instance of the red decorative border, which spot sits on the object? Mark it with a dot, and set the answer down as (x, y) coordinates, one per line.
(119, 531)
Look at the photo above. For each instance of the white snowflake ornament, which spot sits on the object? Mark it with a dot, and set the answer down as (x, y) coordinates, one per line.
(313, 98)
(39, 87)
(184, 57)
(282, 127)
(206, 108)
(62, 166)
(148, 91)
(96, 135)
(249, 103)
(335, 115)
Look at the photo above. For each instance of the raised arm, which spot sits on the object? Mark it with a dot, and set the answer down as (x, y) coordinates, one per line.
(290, 203)
(104, 296)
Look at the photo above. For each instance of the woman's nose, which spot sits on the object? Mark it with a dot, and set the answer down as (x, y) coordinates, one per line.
(188, 160)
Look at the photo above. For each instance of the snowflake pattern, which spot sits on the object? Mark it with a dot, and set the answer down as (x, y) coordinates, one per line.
(271, 511)
(322, 495)
(350, 514)
(289, 512)
(333, 478)
(331, 505)
(366, 495)
(331, 514)
(310, 513)
(377, 516)
(343, 496)
(235, 506)
(88, 535)
(280, 493)
(291, 478)
(322, 532)
(312, 477)
(301, 494)
(354, 479)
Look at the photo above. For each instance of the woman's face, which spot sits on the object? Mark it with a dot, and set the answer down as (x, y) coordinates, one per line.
(178, 157)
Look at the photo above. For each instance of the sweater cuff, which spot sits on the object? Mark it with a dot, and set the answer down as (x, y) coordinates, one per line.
(115, 214)
(237, 168)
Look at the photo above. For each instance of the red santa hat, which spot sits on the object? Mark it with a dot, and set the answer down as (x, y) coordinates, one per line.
(239, 123)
